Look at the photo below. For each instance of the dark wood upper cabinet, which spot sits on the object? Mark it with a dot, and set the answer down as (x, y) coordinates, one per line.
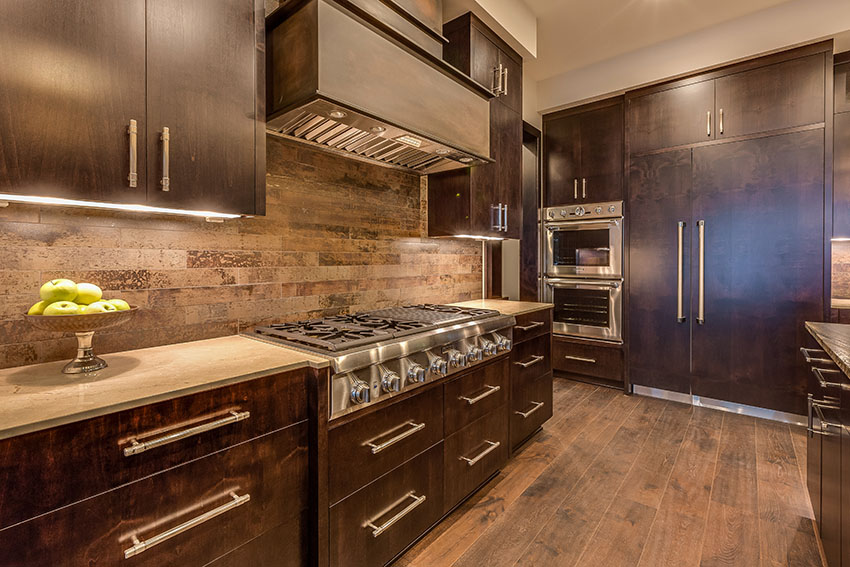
(841, 85)
(777, 96)
(671, 117)
(841, 175)
(72, 77)
(583, 154)
(484, 200)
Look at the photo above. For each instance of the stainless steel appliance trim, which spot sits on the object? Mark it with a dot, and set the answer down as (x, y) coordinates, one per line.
(531, 362)
(166, 140)
(819, 374)
(141, 546)
(815, 358)
(680, 254)
(607, 210)
(701, 297)
(614, 226)
(580, 359)
(137, 447)
(492, 446)
(525, 414)
(488, 391)
(132, 131)
(378, 530)
(377, 448)
(613, 333)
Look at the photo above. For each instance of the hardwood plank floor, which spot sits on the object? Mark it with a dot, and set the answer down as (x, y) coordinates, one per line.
(622, 481)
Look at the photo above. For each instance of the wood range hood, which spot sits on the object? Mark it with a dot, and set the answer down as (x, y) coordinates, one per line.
(346, 81)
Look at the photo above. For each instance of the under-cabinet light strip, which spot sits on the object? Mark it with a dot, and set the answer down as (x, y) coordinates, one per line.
(6, 198)
(476, 237)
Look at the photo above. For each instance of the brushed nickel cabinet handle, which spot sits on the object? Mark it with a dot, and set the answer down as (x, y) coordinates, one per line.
(701, 296)
(504, 80)
(680, 310)
(414, 427)
(581, 359)
(141, 546)
(378, 530)
(492, 446)
(137, 447)
(720, 121)
(533, 325)
(525, 414)
(505, 212)
(813, 355)
(534, 360)
(819, 374)
(132, 131)
(497, 223)
(708, 123)
(584, 188)
(488, 391)
(166, 139)
(575, 188)
(824, 424)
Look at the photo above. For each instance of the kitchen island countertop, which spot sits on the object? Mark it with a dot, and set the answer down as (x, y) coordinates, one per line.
(505, 306)
(40, 396)
(834, 338)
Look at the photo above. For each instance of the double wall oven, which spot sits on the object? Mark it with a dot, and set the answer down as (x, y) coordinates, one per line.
(583, 269)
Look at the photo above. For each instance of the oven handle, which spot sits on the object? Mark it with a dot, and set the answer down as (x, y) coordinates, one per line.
(583, 224)
(583, 284)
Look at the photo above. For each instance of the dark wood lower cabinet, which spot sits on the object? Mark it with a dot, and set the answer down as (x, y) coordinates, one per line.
(275, 548)
(592, 359)
(476, 393)
(531, 407)
(845, 478)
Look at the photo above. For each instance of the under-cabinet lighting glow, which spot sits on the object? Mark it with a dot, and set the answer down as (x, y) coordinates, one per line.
(112, 206)
(840, 239)
(476, 237)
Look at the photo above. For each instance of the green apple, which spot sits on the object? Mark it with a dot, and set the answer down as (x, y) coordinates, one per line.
(87, 293)
(98, 307)
(58, 290)
(119, 304)
(62, 308)
(38, 308)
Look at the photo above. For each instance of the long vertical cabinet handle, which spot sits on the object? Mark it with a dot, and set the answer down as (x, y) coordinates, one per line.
(166, 138)
(497, 223)
(720, 121)
(701, 299)
(575, 188)
(708, 123)
(680, 268)
(505, 211)
(133, 132)
(497, 78)
(584, 188)
(504, 84)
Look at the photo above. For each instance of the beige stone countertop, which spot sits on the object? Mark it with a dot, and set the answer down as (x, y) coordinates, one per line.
(834, 338)
(40, 396)
(504, 306)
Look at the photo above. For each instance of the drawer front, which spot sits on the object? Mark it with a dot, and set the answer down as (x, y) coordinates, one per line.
(382, 440)
(474, 453)
(477, 393)
(531, 360)
(589, 360)
(532, 325)
(66, 464)
(374, 524)
(530, 409)
(217, 504)
(284, 546)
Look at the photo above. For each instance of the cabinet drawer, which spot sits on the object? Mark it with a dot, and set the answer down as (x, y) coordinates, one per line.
(374, 524)
(68, 463)
(474, 453)
(283, 546)
(530, 408)
(382, 440)
(532, 325)
(531, 359)
(239, 494)
(479, 392)
(589, 360)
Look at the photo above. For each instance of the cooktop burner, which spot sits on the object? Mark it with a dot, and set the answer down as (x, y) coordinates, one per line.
(396, 327)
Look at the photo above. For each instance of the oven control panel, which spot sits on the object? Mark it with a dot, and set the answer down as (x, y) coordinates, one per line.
(611, 209)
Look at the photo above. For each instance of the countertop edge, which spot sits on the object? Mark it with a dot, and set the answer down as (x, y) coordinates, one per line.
(810, 326)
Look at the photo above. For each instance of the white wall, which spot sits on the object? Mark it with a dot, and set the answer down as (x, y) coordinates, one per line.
(512, 20)
(795, 22)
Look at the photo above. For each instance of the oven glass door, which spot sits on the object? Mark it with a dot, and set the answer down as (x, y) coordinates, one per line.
(586, 308)
(585, 248)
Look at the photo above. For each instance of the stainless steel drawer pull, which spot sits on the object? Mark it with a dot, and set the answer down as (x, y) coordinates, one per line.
(137, 447)
(534, 360)
(817, 356)
(680, 267)
(489, 390)
(492, 446)
(525, 414)
(819, 374)
(414, 427)
(581, 359)
(140, 546)
(132, 131)
(166, 139)
(378, 530)
(533, 325)
(824, 424)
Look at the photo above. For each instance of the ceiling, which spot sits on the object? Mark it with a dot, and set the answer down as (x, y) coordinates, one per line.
(575, 33)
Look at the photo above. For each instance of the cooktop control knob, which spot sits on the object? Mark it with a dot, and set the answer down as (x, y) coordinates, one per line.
(502, 343)
(551, 214)
(580, 211)
(489, 347)
(416, 373)
(455, 358)
(390, 381)
(439, 367)
(563, 212)
(359, 391)
(598, 210)
(612, 209)
(474, 354)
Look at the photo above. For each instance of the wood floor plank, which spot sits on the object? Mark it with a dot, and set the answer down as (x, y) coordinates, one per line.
(564, 537)
(620, 536)
(731, 538)
(504, 542)
(736, 482)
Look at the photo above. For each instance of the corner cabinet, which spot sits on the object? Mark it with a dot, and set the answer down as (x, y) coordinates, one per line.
(485, 200)
(158, 102)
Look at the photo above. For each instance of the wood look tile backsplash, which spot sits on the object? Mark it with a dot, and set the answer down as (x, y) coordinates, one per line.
(841, 270)
(340, 235)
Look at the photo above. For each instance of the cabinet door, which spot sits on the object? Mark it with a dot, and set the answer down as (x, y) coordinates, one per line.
(72, 76)
(845, 478)
(762, 203)
(201, 86)
(841, 88)
(659, 198)
(830, 525)
(483, 186)
(777, 96)
(841, 176)
(512, 82)
(674, 117)
(484, 62)
(561, 160)
(602, 155)
(510, 167)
